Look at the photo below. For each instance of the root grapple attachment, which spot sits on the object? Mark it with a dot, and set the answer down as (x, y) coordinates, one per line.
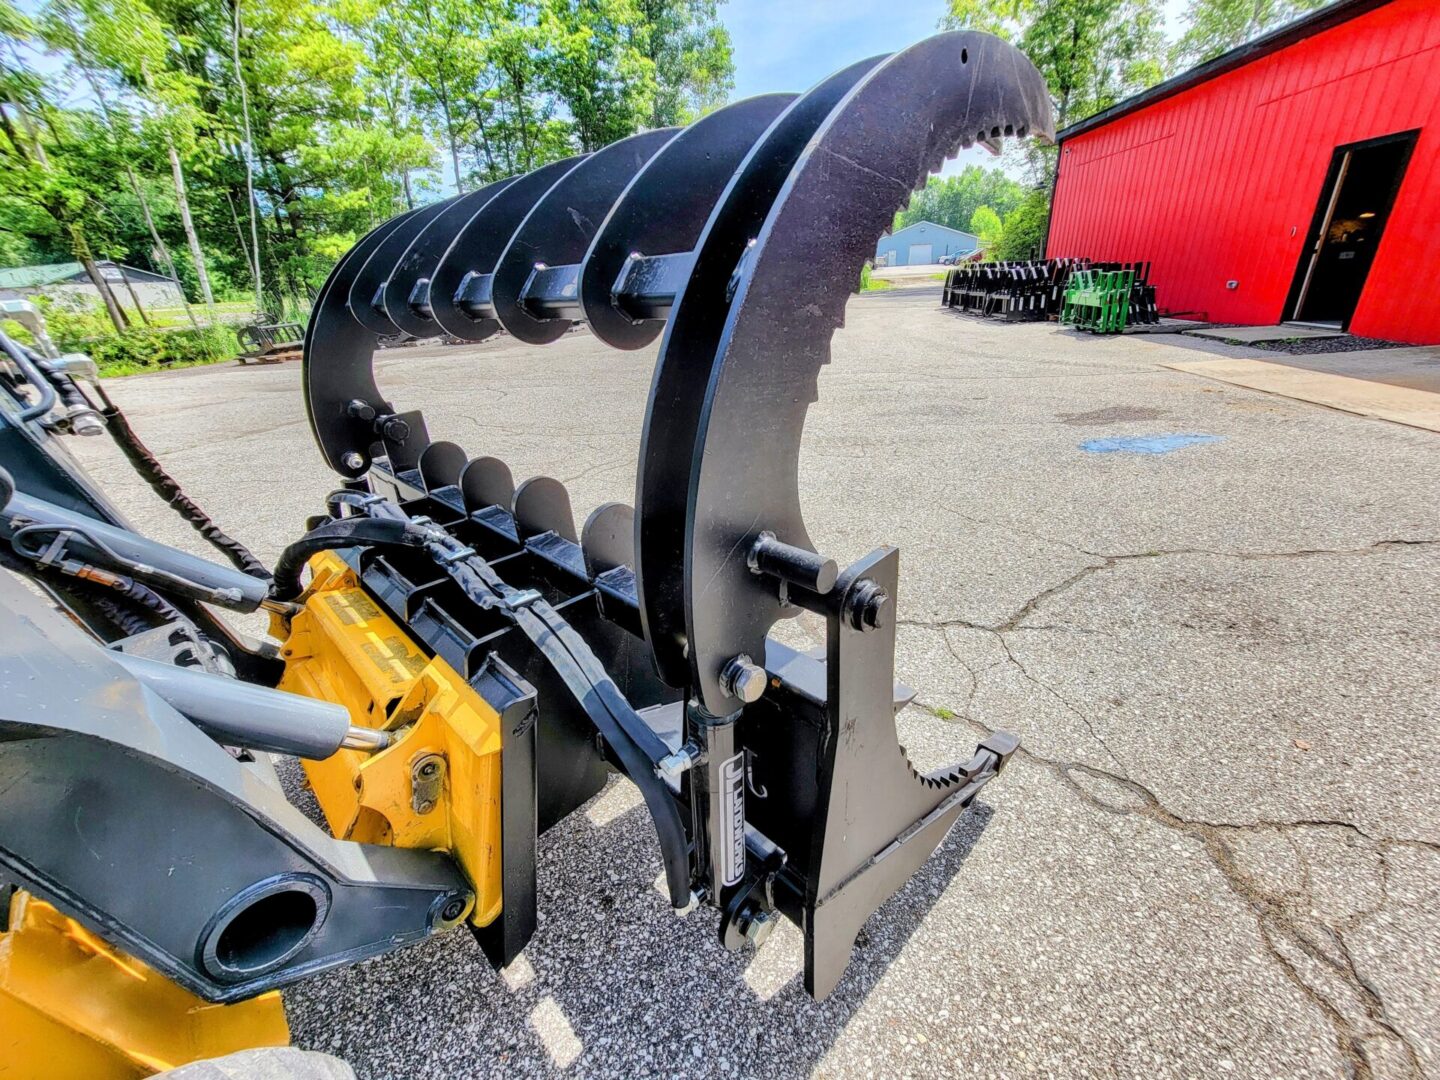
(774, 778)
(497, 662)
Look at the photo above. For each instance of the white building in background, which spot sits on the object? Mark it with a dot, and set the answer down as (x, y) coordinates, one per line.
(68, 283)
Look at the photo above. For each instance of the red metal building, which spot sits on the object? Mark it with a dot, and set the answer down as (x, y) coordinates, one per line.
(1296, 178)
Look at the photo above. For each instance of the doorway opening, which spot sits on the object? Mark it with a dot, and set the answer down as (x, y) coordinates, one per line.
(1354, 206)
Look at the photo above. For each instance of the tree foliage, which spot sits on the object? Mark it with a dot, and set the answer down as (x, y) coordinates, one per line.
(1216, 26)
(120, 118)
(952, 201)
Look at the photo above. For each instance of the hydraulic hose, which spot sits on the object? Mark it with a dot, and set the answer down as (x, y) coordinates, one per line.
(164, 485)
(346, 532)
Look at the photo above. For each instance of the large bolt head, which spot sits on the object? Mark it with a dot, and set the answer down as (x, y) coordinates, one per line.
(868, 606)
(744, 679)
(353, 460)
(395, 429)
(759, 927)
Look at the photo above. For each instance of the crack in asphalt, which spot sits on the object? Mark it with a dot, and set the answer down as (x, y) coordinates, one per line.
(1032, 605)
(1012, 624)
(1279, 927)
(1288, 935)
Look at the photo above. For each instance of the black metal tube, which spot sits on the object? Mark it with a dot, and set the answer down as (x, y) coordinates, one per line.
(796, 565)
(34, 376)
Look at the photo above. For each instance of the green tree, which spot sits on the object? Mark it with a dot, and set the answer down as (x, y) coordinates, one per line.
(985, 224)
(691, 52)
(437, 44)
(596, 66)
(1216, 26)
(40, 183)
(952, 200)
(1023, 235)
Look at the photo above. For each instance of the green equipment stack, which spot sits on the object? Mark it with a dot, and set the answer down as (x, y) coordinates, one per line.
(1098, 300)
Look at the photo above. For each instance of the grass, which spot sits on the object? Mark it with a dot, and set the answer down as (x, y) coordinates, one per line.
(226, 310)
(943, 713)
(938, 277)
(129, 367)
(870, 283)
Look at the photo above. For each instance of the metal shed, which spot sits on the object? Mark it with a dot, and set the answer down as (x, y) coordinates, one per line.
(1296, 178)
(69, 281)
(921, 243)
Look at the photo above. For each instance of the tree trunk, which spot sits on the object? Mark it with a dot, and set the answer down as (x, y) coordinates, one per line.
(249, 166)
(193, 240)
(164, 252)
(134, 296)
(409, 195)
(82, 252)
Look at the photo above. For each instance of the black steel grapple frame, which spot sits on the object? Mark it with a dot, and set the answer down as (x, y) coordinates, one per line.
(639, 642)
(740, 238)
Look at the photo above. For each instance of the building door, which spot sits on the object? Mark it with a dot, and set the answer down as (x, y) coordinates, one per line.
(1354, 207)
(919, 254)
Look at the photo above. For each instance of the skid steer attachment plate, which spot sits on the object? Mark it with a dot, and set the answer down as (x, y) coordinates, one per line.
(775, 779)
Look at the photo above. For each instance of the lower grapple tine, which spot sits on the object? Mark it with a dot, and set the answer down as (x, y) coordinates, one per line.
(542, 505)
(486, 482)
(440, 465)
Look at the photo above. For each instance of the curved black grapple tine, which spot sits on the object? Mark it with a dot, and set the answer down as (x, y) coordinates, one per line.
(486, 482)
(651, 232)
(686, 353)
(469, 261)
(608, 538)
(407, 292)
(336, 369)
(440, 465)
(875, 820)
(542, 505)
(548, 245)
(367, 296)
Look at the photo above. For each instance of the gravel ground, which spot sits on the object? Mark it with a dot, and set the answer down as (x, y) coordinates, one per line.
(1219, 850)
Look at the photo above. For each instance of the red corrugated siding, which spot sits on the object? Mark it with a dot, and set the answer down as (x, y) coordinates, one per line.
(1220, 182)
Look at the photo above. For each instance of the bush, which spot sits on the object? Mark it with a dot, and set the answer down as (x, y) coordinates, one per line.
(1024, 231)
(72, 322)
(147, 349)
(872, 284)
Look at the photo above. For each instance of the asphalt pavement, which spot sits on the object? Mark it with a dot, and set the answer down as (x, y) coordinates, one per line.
(1210, 614)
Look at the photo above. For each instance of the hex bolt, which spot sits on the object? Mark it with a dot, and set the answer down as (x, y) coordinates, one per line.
(353, 459)
(393, 428)
(744, 679)
(758, 927)
(454, 908)
(361, 410)
(868, 607)
(429, 769)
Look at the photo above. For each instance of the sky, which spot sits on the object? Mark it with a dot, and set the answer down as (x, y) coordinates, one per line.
(792, 44)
